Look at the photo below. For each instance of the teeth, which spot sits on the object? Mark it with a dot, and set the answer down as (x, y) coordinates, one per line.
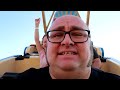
(68, 53)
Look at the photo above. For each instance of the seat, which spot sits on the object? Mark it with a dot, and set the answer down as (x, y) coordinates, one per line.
(31, 50)
(111, 65)
(61, 13)
(100, 52)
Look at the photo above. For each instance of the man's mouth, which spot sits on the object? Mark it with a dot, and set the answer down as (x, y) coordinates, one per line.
(67, 53)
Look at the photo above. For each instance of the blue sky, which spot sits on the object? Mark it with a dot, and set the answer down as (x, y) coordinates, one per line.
(17, 31)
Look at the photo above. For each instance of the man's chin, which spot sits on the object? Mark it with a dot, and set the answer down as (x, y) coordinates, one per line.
(67, 67)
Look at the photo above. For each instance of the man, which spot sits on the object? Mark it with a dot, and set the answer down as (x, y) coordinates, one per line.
(69, 53)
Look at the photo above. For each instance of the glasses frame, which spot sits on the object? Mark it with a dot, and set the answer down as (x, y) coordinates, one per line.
(88, 31)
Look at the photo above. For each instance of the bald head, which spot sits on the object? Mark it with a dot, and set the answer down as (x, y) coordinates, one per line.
(69, 20)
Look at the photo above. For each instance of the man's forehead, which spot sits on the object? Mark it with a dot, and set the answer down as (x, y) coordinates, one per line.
(61, 21)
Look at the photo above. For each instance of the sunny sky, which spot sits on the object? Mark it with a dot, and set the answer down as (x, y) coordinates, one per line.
(17, 31)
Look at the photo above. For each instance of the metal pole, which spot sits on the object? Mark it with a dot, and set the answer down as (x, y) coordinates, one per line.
(44, 21)
(78, 14)
(50, 20)
(88, 18)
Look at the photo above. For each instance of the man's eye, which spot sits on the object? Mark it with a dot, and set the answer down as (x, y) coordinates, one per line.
(56, 35)
(77, 34)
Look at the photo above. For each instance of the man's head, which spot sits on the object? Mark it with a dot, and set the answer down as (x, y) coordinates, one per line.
(69, 44)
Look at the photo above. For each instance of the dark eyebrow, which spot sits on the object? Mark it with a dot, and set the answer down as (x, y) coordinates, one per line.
(58, 28)
(76, 28)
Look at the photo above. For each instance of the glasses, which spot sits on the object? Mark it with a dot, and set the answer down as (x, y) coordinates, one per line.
(77, 36)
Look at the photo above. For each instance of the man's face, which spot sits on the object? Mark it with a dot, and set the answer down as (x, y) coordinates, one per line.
(68, 55)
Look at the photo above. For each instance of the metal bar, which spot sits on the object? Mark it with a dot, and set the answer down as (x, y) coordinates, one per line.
(50, 20)
(78, 14)
(88, 18)
(44, 21)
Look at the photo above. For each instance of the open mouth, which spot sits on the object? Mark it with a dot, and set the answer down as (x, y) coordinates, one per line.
(67, 53)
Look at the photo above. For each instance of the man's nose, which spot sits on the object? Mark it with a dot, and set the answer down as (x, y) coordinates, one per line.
(67, 40)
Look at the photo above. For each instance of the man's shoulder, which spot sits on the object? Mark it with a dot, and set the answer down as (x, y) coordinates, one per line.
(35, 74)
(101, 75)
(31, 70)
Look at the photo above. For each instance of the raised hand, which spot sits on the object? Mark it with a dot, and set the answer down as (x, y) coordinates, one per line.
(37, 22)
